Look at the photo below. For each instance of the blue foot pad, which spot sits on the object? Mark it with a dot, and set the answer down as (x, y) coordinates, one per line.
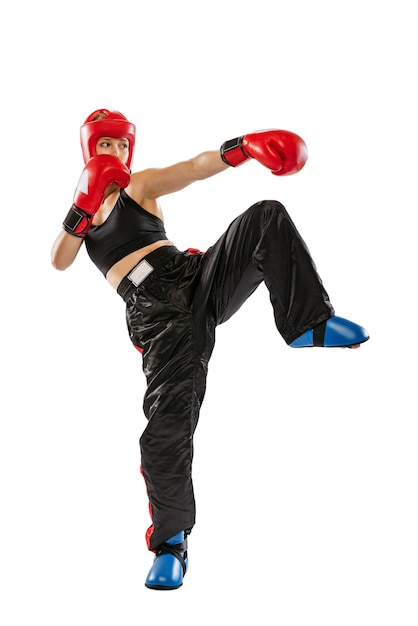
(170, 564)
(335, 332)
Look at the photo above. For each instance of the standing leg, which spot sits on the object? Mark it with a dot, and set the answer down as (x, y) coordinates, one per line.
(160, 319)
(172, 403)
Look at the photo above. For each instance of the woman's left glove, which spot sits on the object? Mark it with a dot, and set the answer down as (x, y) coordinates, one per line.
(281, 151)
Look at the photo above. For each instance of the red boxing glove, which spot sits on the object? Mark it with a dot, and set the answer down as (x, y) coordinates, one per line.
(100, 171)
(282, 151)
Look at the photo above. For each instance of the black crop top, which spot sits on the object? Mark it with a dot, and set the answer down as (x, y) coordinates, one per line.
(128, 228)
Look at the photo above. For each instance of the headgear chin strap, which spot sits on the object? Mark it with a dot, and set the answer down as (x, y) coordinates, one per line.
(106, 123)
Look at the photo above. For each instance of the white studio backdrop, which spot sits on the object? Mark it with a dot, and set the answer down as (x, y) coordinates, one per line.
(305, 460)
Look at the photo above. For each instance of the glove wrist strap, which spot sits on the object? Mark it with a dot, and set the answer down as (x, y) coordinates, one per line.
(77, 222)
(232, 152)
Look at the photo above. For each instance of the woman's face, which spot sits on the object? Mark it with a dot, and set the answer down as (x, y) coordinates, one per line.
(116, 147)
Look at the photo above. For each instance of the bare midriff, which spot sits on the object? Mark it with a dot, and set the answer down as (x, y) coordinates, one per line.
(124, 266)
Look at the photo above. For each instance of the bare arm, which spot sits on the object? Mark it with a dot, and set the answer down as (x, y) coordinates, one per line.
(157, 182)
(65, 250)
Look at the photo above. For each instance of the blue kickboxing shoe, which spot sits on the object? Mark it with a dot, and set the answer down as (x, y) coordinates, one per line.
(170, 564)
(335, 332)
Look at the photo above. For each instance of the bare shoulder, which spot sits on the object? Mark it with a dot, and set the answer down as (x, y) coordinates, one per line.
(137, 186)
(138, 190)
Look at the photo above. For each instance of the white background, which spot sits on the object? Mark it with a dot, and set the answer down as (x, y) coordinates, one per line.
(306, 460)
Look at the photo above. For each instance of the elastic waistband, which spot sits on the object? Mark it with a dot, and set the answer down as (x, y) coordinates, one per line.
(135, 277)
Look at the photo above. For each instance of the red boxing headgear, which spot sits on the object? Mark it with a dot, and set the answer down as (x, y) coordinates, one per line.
(106, 123)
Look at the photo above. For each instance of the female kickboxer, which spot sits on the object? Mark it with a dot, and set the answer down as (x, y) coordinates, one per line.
(175, 299)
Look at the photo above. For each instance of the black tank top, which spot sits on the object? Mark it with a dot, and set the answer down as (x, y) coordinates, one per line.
(128, 228)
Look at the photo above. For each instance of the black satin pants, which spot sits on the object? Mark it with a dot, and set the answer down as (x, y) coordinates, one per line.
(172, 317)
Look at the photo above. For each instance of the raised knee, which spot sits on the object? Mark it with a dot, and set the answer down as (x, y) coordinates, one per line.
(267, 207)
(264, 205)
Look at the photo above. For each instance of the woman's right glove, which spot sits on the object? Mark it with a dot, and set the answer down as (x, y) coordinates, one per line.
(100, 171)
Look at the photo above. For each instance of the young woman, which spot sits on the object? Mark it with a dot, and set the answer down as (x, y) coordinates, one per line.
(175, 299)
